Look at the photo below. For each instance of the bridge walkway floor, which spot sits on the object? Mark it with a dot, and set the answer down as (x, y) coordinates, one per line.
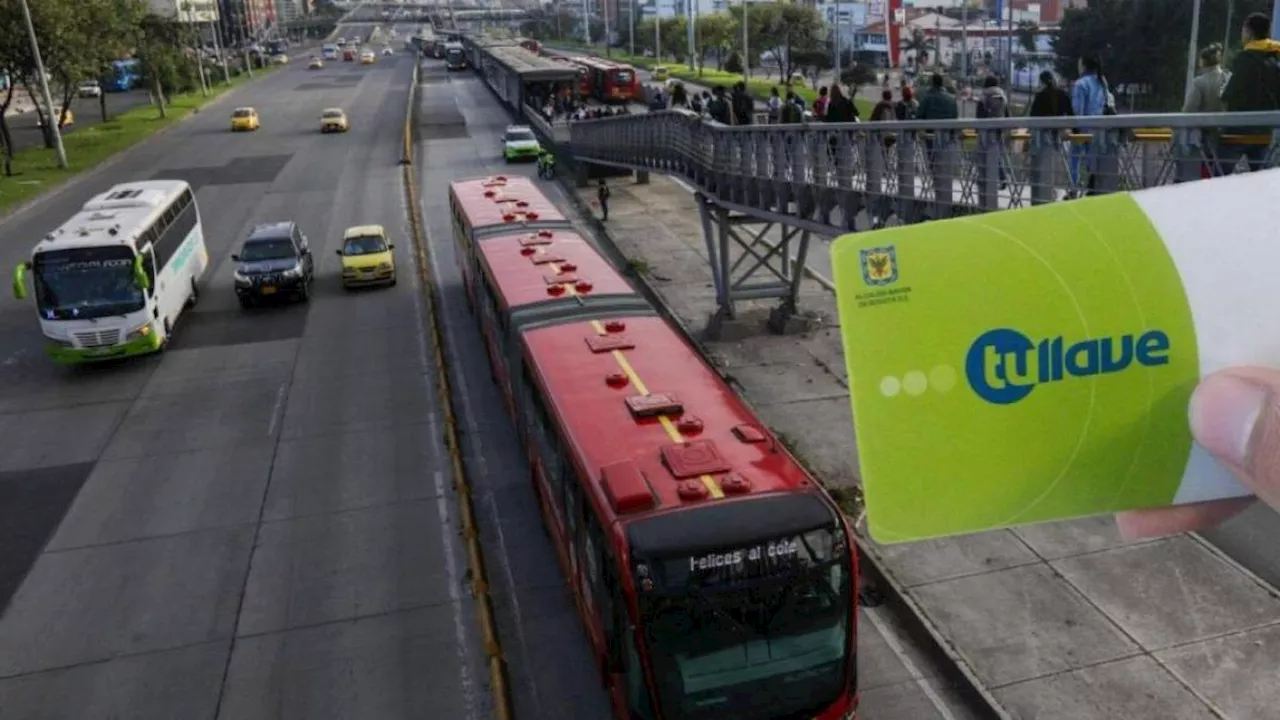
(1056, 621)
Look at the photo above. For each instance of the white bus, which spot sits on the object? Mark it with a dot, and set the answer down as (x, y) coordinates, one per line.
(112, 281)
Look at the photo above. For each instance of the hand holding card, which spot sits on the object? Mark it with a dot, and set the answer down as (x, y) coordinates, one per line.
(1035, 365)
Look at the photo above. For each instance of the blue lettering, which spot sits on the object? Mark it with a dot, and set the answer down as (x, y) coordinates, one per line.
(1003, 366)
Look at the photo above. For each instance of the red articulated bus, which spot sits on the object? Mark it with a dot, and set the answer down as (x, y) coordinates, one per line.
(609, 81)
(714, 576)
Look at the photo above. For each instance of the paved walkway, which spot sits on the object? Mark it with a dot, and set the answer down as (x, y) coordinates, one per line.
(1059, 621)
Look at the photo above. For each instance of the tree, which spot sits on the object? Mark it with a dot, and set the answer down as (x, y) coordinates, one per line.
(165, 68)
(1027, 32)
(14, 55)
(918, 46)
(111, 29)
(856, 75)
(715, 35)
(787, 28)
(734, 63)
(812, 63)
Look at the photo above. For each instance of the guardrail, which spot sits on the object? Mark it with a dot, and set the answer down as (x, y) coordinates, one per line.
(840, 177)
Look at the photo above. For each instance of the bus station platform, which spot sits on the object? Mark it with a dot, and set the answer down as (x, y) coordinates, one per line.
(1062, 621)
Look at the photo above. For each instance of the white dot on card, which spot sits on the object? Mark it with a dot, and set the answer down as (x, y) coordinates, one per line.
(915, 382)
(890, 386)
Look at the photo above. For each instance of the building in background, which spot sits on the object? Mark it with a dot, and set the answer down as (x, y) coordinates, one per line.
(246, 20)
(289, 11)
(188, 11)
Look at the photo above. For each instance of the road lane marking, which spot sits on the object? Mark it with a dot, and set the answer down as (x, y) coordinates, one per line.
(918, 677)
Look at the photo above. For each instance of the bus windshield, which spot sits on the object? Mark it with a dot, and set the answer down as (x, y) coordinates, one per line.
(84, 283)
(731, 640)
(622, 77)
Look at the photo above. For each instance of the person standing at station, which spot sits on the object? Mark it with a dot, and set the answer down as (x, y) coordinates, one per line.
(602, 196)
(1254, 86)
(744, 105)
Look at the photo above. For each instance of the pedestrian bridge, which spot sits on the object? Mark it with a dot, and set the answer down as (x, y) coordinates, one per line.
(831, 179)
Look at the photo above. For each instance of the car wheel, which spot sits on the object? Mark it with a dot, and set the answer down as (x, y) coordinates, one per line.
(393, 281)
(245, 302)
(168, 332)
(304, 294)
(194, 297)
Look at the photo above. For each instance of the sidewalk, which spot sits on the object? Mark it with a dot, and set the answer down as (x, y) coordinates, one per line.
(1060, 621)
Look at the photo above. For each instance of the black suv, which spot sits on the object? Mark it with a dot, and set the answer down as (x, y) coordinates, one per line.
(274, 261)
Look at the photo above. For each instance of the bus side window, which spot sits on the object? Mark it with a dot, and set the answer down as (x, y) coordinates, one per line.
(547, 441)
(600, 576)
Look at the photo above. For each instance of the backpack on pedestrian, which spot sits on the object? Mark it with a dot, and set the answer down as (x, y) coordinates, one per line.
(718, 109)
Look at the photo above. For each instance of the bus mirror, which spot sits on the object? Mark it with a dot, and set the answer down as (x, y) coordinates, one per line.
(140, 273)
(20, 281)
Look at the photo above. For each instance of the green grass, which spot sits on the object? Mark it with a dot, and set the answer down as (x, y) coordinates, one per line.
(759, 88)
(35, 170)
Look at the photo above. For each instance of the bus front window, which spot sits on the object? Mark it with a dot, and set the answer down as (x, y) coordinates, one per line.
(84, 283)
(763, 648)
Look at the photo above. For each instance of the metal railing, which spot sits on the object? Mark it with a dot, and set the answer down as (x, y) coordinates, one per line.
(834, 178)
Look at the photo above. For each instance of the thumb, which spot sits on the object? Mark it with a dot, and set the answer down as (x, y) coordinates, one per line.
(1235, 415)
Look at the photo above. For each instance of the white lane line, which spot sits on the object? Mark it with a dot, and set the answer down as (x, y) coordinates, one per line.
(277, 409)
(454, 580)
(447, 531)
(921, 681)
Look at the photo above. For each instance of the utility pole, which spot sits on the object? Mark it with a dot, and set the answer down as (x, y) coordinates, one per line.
(604, 10)
(1191, 46)
(1226, 40)
(964, 40)
(835, 50)
(746, 57)
(53, 119)
(689, 26)
(631, 23)
(657, 33)
(586, 23)
(217, 47)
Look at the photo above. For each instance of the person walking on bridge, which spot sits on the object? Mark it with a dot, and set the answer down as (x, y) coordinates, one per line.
(602, 196)
(1254, 86)
(1205, 96)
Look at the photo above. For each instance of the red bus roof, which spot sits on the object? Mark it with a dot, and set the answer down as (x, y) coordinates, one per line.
(502, 200)
(713, 451)
(523, 266)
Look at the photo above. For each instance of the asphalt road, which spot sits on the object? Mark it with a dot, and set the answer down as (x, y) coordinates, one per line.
(259, 523)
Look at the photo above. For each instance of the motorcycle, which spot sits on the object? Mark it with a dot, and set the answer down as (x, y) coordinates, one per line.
(546, 169)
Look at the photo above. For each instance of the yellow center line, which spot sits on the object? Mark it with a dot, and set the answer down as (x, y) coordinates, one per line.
(672, 431)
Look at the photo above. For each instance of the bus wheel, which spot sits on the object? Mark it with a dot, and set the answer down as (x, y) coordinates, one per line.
(194, 297)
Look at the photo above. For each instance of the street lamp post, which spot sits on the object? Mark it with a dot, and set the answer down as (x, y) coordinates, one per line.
(657, 32)
(746, 56)
(53, 120)
(217, 48)
(631, 26)
(1191, 46)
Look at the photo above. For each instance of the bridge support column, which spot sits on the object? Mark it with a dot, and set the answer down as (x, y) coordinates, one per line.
(752, 259)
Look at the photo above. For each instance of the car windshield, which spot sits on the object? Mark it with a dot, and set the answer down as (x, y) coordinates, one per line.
(364, 245)
(520, 136)
(85, 283)
(752, 648)
(242, 113)
(332, 113)
(268, 249)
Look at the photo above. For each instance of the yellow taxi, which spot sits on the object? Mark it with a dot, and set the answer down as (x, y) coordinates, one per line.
(69, 118)
(244, 118)
(368, 57)
(280, 59)
(366, 257)
(316, 64)
(334, 120)
(661, 73)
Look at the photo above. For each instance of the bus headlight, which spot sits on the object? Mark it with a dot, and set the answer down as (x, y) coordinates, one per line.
(138, 333)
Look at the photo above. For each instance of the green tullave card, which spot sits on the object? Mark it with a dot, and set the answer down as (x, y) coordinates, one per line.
(1036, 364)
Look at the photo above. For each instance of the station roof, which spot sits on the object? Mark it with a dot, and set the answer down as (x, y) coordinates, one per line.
(530, 66)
